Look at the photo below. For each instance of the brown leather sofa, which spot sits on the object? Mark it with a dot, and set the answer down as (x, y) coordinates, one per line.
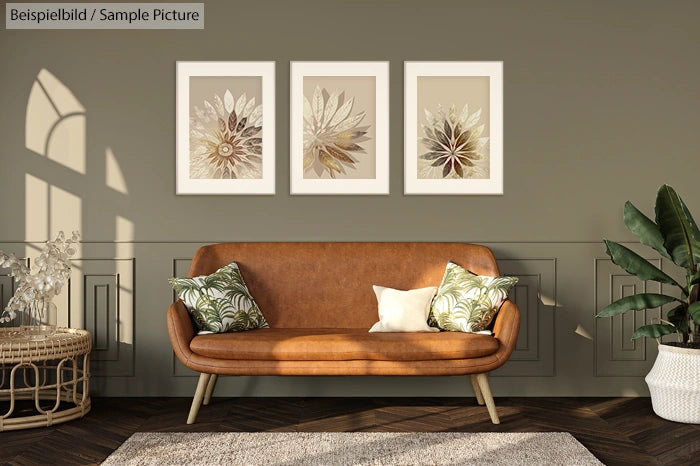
(319, 302)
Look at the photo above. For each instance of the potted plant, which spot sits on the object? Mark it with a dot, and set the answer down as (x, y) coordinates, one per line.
(674, 380)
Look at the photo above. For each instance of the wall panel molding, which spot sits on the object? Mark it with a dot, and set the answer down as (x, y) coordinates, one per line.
(101, 300)
(616, 354)
(8, 287)
(180, 268)
(535, 350)
(124, 300)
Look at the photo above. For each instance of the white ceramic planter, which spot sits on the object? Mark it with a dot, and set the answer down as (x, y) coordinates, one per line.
(674, 383)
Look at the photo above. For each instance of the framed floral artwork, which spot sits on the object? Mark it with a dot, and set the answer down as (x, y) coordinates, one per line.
(453, 128)
(225, 128)
(339, 128)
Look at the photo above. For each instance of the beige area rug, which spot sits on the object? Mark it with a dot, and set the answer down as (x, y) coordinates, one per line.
(352, 448)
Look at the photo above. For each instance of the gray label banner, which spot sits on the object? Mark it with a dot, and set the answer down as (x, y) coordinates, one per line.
(104, 15)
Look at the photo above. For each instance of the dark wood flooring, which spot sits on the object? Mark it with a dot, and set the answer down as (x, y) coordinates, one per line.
(618, 431)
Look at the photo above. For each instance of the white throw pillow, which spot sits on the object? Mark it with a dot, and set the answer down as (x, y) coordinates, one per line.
(403, 311)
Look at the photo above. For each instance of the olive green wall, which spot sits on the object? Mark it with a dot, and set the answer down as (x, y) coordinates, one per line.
(600, 106)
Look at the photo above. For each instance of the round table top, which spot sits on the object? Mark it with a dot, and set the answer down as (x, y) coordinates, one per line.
(65, 342)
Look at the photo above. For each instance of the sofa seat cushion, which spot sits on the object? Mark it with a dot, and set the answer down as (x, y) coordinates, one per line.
(313, 344)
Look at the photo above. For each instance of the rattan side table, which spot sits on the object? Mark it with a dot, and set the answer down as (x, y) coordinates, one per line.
(54, 370)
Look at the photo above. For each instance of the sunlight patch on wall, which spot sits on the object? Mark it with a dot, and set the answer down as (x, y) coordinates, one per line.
(67, 143)
(113, 173)
(547, 301)
(580, 330)
(40, 119)
(125, 269)
(55, 124)
(124, 237)
(36, 216)
(65, 211)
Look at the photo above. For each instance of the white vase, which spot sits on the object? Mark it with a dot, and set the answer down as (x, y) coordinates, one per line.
(674, 383)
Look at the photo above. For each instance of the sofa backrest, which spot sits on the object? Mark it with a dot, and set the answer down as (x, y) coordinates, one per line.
(329, 285)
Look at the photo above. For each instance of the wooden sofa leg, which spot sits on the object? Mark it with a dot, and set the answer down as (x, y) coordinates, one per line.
(483, 382)
(198, 396)
(210, 389)
(477, 390)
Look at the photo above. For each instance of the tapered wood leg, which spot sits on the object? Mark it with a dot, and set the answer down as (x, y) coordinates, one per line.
(483, 382)
(198, 396)
(477, 390)
(210, 389)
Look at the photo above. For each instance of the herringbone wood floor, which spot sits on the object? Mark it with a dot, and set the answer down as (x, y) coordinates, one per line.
(618, 431)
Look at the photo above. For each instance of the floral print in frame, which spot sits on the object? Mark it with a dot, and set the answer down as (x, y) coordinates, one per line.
(453, 128)
(225, 128)
(339, 128)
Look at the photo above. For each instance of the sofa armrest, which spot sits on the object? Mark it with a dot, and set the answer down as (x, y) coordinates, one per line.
(180, 330)
(506, 327)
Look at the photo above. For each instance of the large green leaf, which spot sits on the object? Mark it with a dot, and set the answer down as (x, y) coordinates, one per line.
(694, 232)
(678, 317)
(633, 263)
(644, 228)
(635, 302)
(654, 331)
(678, 228)
(694, 311)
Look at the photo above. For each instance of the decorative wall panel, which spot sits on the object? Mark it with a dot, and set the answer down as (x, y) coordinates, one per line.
(534, 353)
(7, 290)
(101, 300)
(180, 269)
(123, 303)
(616, 353)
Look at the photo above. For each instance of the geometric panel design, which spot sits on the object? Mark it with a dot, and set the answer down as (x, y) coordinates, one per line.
(101, 300)
(623, 347)
(535, 295)
(616, 354)
(524, 294)
(597, 359)
(7, 290)
(100, 296)
(180, 269)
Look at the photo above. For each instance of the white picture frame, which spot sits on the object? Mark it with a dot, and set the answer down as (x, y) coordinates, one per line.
(364, 86)
(477, 85)
(238, 164)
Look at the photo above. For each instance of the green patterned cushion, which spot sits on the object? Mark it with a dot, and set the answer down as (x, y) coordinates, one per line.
(466, 302)
(220, 302)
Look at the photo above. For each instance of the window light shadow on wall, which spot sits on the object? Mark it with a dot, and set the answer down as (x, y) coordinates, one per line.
(55, 128)
(547, 301)
(55, 122)
(113, 173)
(581, 331)
(67, 188)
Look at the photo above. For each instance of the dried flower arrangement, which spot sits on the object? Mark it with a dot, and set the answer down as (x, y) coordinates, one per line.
(35, 292)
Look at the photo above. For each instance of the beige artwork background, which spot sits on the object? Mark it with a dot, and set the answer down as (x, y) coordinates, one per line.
(363, 90)
(457, 90)
(205, 87)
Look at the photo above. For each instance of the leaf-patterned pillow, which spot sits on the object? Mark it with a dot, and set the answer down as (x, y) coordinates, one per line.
(220, 302)
(466, 302)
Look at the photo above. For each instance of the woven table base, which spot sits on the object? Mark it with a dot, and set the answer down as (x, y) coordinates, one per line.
(54, 373)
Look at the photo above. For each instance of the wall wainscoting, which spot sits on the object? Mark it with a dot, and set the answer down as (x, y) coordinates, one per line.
(119, 291)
